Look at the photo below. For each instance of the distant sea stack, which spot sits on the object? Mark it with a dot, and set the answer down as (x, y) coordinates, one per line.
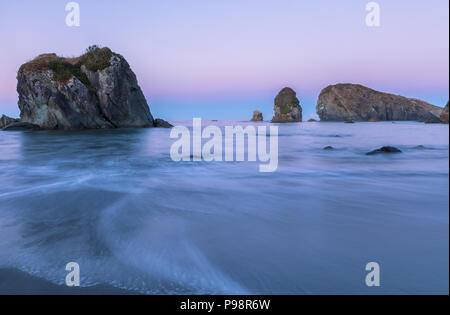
(287, 107)
(347, 102)
(257, 116)
(97, 90)
(444, 114)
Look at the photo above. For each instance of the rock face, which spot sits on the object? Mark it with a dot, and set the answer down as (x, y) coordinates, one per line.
(444, 114)
(257, 116)
(287, 107)
(5, 121)
(344, 102)
(96, 90)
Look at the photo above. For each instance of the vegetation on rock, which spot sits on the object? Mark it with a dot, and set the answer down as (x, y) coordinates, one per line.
(94, 59)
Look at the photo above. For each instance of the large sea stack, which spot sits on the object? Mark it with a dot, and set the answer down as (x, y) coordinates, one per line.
(346, 102)
(287, 107)
(94, 91)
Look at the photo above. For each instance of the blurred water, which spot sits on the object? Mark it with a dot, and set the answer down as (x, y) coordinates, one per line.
(114, 202)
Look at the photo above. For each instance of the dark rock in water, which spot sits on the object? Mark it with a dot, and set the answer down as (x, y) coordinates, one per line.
(160, 123)
(312, 120)
(351, 121)
(328, 148)
(257, 116)
(386, 149)
(444, 114)
(21, 126)
(420, 147)
(96, 90)
(344, 102)
(287, 107)
(5, 121)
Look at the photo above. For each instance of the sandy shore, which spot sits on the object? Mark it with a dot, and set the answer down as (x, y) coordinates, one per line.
(13, 281)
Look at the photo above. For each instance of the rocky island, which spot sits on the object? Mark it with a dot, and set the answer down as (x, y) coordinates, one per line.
(353, 102)
(97, 90)
(287, 107)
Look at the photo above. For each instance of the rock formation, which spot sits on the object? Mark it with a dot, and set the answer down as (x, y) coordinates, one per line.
(444, 114)
(346, 102)
(287, 107)
(5, 121)
(382, 150)
(257, 116)
(94, 91)
(8, 123)
(159, 123)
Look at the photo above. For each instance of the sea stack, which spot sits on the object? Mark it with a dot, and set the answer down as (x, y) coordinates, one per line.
(257, 116)
(287, 107)
(347, 102)
(444, 114)
(97, 90)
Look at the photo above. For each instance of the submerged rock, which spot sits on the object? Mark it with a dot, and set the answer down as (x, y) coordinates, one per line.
(287, 107)
(257, 116)
(386, 149)
(160, 123)
(344, 102)
(96, 90)
(444, 114)
(329, 147)
(5, 121)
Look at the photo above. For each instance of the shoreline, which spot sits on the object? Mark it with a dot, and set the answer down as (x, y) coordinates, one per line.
(233, 120)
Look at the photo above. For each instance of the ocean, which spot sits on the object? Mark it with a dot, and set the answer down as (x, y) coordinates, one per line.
(114, 202)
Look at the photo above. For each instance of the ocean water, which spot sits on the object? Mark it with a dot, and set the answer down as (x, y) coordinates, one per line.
(114, 202)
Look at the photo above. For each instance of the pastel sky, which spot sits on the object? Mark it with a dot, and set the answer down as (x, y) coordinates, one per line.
(221, 59)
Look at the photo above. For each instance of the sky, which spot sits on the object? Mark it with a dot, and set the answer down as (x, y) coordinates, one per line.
(222, 59)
